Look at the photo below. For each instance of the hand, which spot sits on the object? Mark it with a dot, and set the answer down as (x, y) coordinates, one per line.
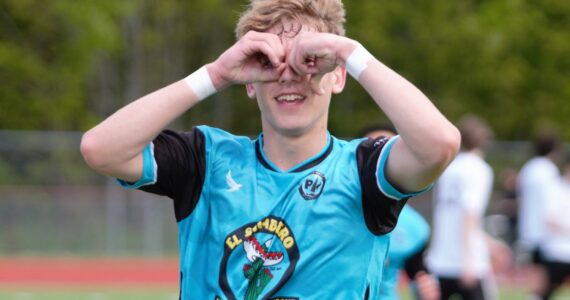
(317, 53)
(427, 286)
(468, 279)
(257, 56)
(501, 255)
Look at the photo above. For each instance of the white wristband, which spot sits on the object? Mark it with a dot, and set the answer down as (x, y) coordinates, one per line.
(201, 83)
(357, 61)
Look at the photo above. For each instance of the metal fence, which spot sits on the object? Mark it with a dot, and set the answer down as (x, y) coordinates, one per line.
(51, 203)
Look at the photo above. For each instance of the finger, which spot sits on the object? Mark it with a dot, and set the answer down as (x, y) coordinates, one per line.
(262, 52)
(317, 84)
(269, 44)
(271, 74)
(302, 66)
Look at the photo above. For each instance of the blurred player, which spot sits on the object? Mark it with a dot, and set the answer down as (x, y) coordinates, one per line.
(408, 242)
(555, 248)
(538, 181)
(459, 251)
(296, 213)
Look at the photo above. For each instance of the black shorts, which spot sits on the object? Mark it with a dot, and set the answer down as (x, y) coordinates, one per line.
(557, 271)
(536, 256)
(453, 286)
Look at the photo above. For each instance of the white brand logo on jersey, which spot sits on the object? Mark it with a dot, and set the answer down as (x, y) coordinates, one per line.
(232, 185)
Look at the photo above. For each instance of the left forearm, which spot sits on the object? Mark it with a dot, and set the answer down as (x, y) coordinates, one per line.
(428, 140)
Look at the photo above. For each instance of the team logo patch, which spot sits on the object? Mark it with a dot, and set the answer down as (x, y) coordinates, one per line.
(312, 186)
(258, 259)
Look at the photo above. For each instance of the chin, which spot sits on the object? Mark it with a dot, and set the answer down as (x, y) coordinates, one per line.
(291, 130)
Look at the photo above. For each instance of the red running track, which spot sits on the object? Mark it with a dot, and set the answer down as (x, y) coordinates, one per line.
(89, 271)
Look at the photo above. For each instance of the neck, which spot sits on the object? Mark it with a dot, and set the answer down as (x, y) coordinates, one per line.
(285, 152)
(477, 151)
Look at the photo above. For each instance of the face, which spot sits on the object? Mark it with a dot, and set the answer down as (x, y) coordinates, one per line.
(289, 106)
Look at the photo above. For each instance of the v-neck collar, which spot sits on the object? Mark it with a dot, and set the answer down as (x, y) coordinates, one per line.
(307, 164)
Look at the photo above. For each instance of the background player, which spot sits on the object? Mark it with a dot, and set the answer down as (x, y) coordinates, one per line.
(538, 181)
(555, 247)
(459, 251)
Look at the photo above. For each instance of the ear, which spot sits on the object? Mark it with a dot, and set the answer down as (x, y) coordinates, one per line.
(250, 90)
(339, 79)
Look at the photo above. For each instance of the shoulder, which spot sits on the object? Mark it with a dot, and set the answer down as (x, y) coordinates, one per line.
(347, 145)
(538, 168)
(216, 137)
(474, 162)
(220, 134)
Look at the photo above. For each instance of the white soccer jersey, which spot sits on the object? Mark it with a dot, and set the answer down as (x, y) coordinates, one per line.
(537, 181)
(464, 188)
(556, 245)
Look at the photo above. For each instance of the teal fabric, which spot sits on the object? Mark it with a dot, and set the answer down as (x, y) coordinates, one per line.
(149, 170)
(408, 237)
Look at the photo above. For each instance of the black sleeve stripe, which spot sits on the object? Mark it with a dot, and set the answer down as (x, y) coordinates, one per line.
(181, 169)
(415, 263)
(380, 212)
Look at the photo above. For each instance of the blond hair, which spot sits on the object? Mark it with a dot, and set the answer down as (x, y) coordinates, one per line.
(322, 15)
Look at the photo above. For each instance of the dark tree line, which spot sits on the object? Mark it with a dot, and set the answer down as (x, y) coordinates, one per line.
(65, 65)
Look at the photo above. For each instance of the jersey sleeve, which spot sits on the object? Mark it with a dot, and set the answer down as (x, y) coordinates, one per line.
(382, 202)
(174, 165)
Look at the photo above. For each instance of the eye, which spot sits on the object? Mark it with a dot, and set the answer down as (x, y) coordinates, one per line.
(264, 61)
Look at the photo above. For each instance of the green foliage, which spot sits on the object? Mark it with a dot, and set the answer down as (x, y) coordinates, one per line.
(47, 51)
(503, 60)
(72, 63)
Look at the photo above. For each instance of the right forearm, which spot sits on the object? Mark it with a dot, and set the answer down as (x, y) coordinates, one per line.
(123, 135)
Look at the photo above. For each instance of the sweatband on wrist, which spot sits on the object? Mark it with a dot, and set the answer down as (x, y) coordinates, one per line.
(357, 61)
(201, 83)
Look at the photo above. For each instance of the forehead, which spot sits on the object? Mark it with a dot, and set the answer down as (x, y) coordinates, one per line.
(289, 29)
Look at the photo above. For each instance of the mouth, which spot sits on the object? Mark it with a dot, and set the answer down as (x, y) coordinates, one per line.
(290, 98)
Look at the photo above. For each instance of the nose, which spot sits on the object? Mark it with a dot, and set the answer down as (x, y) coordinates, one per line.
(289, 75)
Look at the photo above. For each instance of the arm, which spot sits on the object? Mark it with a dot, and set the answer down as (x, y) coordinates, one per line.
(501, 254)
(428, 140)
(470, 229)
(426, 286)
(114, 147)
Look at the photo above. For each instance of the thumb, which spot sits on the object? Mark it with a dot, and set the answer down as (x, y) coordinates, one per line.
(317, 84)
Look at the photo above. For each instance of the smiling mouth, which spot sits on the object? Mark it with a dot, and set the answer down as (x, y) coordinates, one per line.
(292, 98)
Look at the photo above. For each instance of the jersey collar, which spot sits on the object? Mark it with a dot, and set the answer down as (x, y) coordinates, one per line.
(309, 163)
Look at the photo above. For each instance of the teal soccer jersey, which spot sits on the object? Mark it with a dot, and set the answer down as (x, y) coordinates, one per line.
(408, 241)
(248, 230)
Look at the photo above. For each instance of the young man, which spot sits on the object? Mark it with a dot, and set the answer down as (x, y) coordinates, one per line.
(408, 242)
(295, 213)
(538, 182)
(555, 248)
(459, 250)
